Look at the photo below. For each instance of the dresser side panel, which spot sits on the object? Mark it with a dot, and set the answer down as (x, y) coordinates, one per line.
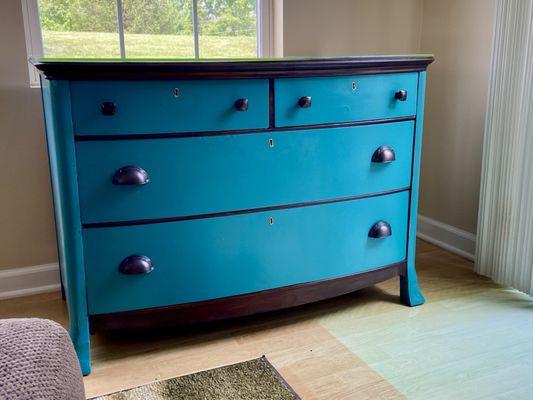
(60, 139)
(410, 291)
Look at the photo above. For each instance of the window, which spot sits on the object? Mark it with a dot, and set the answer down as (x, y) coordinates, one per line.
(149, 29)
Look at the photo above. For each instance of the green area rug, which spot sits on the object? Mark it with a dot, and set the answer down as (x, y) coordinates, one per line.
(249, 380)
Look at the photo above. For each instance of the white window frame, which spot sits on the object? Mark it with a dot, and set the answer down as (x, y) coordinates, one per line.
(269, 31)
(34, 39)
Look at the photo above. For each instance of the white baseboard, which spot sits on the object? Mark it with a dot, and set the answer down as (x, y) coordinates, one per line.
(448, 237)
(26, 281)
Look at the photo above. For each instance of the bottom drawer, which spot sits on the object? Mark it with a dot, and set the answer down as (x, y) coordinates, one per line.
(210, 258)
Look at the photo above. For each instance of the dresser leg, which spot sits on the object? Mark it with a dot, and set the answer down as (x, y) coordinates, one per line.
(83, 350)
(409, 291)
(79, 334)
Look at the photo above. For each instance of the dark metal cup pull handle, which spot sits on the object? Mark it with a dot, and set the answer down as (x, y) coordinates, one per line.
(380, 230)
(241, 104)
(304, 102)
(109, 108)
(383, 154)
(130, 175)
(136, 265)
(401, 95)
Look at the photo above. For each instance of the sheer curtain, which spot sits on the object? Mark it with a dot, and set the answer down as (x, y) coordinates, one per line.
(505, 228)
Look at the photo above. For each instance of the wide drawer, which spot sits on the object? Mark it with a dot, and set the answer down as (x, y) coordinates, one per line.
(210, 258)
(201, 175)
(143, 107)
(321, 100)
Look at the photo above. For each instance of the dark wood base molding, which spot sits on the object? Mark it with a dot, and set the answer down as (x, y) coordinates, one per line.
(245, 304)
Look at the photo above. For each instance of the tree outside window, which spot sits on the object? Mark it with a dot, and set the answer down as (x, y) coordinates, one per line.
(149, 28)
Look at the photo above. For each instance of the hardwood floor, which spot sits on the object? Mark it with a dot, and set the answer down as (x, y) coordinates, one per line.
(365, 345)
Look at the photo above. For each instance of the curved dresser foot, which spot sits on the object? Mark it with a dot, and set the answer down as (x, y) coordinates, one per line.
(84, 356)
(79, 334)
(410, 292)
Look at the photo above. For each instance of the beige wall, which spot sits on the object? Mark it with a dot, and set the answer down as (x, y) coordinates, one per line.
(459, 34)
(27, 234)
(351, 27)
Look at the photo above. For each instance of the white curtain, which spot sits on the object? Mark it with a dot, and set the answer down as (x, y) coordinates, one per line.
(505, 228)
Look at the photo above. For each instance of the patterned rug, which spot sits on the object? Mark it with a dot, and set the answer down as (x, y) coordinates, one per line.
(255, 379)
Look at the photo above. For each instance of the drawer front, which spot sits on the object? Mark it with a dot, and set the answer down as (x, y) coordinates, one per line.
(143, 107)
(343, 98)
(210, 258)
(200, 175)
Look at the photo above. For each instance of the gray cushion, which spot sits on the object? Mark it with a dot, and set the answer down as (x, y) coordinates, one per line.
(37, 361)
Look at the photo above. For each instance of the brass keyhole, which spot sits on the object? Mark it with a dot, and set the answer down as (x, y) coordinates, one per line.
(176, 92)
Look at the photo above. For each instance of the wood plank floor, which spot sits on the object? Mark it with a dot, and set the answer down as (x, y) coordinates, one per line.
(365, 345)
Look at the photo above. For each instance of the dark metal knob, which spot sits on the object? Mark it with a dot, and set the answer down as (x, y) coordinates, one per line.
(304, 102)
(130, 175)
(136, 265)
(383, 154)
(109, 108)
(241, 104)
(380, 230)
(401, 95)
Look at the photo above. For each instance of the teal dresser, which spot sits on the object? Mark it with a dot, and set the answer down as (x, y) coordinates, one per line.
(187, 192)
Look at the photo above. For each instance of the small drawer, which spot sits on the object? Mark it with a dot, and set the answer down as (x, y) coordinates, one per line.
(159, 178)
(210, 258)
(323, 100)
(143, 107)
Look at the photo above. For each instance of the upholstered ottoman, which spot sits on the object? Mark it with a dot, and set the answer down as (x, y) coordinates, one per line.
(38, 361)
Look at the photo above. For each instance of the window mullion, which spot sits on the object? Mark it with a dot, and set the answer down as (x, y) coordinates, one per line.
(195, 28)
(260, 30)
(121, 29)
